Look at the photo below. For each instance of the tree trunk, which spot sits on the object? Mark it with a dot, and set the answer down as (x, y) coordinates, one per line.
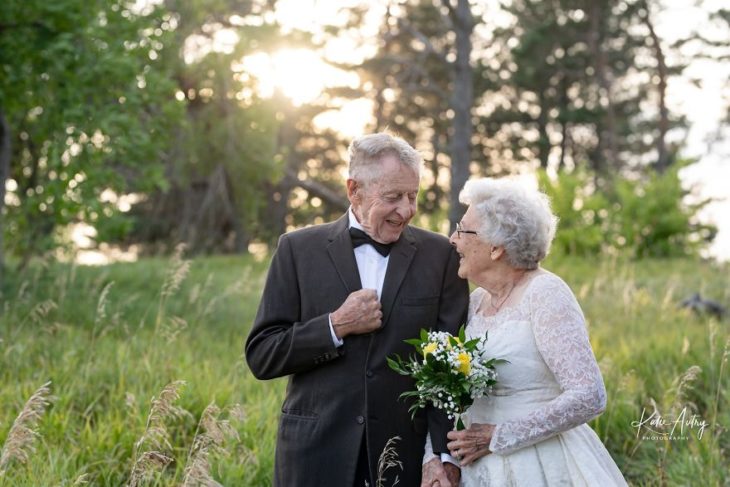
(278, 210)
(462, 99)
(564, 108)
(4, 174)
(663, 160)
(544, 140)
(606, 153)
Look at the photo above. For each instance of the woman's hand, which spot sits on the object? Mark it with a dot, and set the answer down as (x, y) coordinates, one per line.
(472, 443)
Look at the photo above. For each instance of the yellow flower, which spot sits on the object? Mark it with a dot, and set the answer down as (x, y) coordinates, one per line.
(430, 348)
(464, 363)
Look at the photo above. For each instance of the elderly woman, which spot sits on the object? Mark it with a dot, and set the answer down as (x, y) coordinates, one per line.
(531, 431)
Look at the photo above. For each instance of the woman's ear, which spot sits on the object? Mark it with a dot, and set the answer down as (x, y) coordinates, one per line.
(496, 252)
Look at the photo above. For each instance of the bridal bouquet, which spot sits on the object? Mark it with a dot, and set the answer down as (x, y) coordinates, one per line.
(450, 372)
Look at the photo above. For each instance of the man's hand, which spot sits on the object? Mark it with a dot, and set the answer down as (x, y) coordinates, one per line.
(453, 473)
(471, 444)
(435, 474)
(359, 314)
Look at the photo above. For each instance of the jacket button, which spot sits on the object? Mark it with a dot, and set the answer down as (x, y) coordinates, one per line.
(360, 420)
(369, 373)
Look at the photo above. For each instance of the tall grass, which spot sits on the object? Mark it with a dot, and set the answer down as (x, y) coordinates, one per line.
(112, 338)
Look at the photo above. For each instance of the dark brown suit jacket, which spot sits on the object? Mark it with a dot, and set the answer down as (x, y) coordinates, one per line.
(337, 395)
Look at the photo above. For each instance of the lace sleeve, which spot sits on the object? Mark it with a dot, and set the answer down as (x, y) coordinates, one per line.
(562, 340)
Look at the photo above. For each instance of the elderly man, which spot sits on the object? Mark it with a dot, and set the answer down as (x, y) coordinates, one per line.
(339, 299)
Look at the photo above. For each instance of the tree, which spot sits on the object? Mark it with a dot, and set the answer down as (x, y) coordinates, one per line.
(241, 157)
(87, 110)
(424, 66)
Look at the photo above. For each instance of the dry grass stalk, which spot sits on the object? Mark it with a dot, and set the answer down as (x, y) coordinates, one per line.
(723, 362)
(156, 439)
(388, 459)
(175, 276)
(199, 290)
(178, 272)
(101, 304)
(211, 434)
(82, 479)
(41, 310)
(237, 288)
(172, 327)
(146, 466)
(682, 385)
(19, 442)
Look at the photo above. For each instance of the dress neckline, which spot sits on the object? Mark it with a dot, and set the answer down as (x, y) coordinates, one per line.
(512, 307)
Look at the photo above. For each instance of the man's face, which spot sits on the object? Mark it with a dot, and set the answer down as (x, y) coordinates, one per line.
(387, 204)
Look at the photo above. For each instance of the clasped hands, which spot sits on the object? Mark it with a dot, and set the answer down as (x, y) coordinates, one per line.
(471, 444)
(360, 313)
(467, 446)
(438, 474)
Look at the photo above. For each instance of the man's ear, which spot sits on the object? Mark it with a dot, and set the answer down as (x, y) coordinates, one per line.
(353, 191)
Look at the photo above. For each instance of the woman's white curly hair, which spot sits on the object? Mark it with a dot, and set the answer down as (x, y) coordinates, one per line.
(514, 217)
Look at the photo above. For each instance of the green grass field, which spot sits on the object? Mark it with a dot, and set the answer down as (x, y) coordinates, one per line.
(109, 339)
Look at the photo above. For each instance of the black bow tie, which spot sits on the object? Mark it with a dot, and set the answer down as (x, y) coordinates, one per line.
(361, 238)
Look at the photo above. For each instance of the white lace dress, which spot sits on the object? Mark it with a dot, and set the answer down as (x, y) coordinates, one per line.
(545, 395)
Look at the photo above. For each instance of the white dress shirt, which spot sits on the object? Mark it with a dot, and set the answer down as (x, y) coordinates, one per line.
(370, 265)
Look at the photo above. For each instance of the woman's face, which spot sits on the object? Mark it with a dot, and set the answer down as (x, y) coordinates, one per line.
(473, 251)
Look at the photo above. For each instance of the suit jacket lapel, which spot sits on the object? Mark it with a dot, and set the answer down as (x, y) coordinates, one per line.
(401, 256)
(343, 258)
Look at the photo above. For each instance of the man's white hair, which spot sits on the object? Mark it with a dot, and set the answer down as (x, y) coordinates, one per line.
(514, 217)
(366, 151)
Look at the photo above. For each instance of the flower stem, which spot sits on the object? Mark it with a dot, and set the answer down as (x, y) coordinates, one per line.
(459, 423)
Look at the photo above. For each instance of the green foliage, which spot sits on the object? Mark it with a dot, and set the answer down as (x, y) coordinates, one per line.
(647, 217)
(582, 214)
(655, 220)
(225, 129)
(89, 110)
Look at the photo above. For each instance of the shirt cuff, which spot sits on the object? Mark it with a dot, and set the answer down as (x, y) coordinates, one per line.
(445, 457)
(337, 341)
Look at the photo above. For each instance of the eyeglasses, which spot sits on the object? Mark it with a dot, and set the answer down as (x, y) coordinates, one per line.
(460, 230)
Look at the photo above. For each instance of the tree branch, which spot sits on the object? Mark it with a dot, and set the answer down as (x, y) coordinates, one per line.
(430, 48)
(452, 10)
(318, 189)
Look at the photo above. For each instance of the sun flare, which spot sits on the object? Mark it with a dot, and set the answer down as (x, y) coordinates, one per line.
(299, 74)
